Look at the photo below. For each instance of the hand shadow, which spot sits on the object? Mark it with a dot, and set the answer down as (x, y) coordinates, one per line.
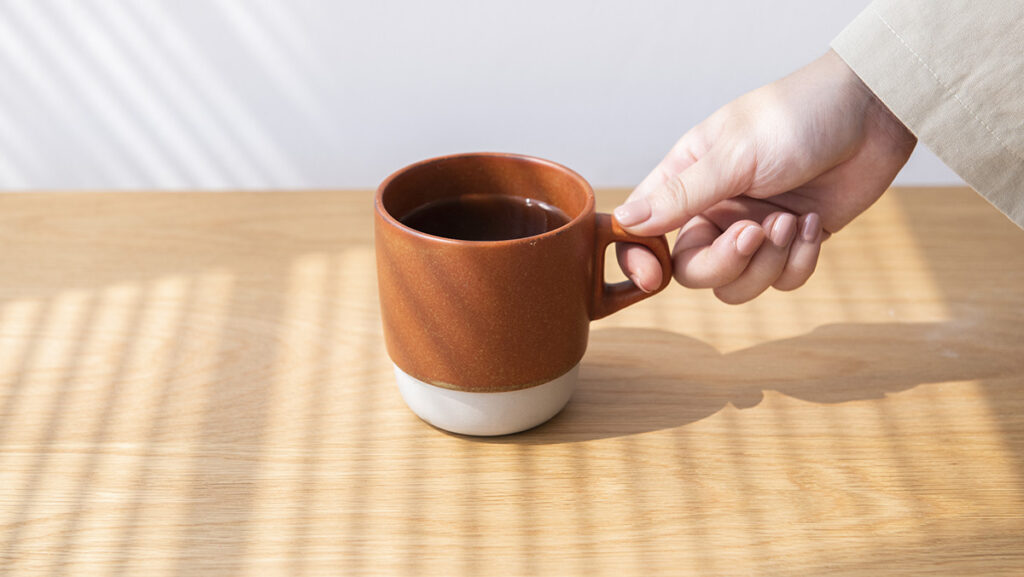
(640, 380)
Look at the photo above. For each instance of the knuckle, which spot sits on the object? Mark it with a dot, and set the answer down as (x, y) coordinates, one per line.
(795, 276)
(787, 284)
(682, 278)
(688, 280)
(696, 269)
(741, 158)
(682, 271)
(730, 297)
(674, 194)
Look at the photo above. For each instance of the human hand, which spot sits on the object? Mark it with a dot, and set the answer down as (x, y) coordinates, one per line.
(757, 186)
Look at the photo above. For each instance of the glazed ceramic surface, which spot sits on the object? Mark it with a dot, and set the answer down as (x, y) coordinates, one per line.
(489, 317)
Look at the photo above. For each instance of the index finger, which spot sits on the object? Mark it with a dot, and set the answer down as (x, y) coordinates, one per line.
(686, 151)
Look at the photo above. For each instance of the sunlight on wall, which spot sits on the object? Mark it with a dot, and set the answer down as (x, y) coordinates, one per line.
(232, 94)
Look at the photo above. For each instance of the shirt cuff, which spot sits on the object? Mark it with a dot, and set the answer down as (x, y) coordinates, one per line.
(887, 62)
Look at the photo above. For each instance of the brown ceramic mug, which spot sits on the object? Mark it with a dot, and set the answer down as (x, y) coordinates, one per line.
(487, 335)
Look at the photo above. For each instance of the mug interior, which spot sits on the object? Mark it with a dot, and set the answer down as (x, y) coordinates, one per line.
(473, 174)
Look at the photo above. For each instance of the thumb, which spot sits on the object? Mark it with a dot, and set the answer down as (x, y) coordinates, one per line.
(675, 198)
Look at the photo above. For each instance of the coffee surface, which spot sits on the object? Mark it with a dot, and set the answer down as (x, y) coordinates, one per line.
(486, 217)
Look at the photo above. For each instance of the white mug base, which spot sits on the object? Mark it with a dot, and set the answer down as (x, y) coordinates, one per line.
(486, 414)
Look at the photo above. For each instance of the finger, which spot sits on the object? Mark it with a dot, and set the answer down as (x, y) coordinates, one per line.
(803, 255)
(683, 154)
(706, 258)
(677, 197)
(766, 265)
(740, 208)
(639, 264)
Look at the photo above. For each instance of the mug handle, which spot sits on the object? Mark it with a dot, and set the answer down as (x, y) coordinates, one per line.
(609, 298)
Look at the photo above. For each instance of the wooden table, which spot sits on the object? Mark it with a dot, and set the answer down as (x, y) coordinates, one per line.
(195, 383)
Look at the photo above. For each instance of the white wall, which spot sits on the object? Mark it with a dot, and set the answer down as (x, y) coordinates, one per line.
(320, 93)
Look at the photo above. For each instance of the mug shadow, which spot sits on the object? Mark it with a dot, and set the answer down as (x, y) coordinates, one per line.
(641, 380)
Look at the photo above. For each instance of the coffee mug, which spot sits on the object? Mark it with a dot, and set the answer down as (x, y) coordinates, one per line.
(490, 268)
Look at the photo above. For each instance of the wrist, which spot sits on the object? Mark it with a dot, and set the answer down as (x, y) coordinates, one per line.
(875, 111)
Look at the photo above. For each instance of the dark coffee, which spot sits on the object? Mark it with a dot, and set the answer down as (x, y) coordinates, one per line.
(485, 217)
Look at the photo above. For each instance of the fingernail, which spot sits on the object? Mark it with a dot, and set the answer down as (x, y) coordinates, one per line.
(783, 230)
(749, 239)
(636, 280)
(633, 212)
(812, 227)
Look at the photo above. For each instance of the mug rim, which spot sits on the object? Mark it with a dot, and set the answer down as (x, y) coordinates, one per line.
(588, 206)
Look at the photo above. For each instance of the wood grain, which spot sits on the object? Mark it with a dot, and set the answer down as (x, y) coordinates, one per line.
(195, 383)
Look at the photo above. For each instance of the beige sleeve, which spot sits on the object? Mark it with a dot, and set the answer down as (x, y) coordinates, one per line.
(953, 72)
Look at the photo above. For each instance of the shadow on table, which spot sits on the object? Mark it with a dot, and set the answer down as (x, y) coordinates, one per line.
(639, 380)
(220, 324)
